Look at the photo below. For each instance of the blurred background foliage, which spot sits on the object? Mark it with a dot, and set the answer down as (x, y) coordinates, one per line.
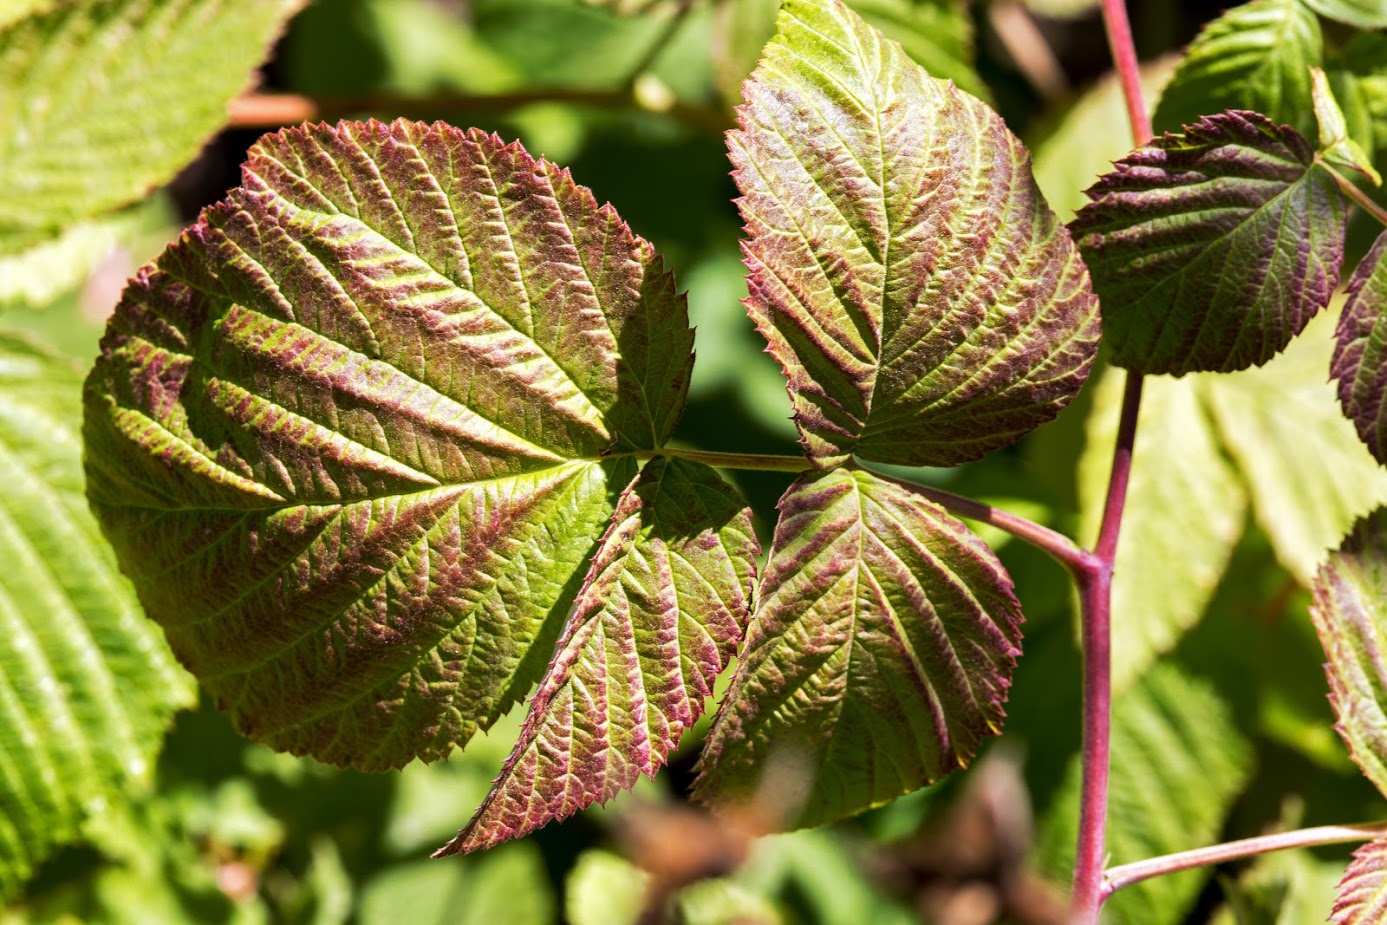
(1227, 733)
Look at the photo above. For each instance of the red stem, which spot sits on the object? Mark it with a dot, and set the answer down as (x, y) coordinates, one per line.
(1095, 582)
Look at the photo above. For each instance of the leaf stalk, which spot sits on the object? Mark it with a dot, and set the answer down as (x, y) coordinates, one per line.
(1128, 874)
(1351, 190)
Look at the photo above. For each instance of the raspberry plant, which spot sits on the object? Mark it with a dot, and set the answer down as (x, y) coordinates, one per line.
(384, 441)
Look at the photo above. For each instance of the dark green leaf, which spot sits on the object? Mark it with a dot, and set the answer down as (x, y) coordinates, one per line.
(922, 299)
(356, 435)
(1256, 56)
(878, 658)
(1212, 249)
(1360, 352)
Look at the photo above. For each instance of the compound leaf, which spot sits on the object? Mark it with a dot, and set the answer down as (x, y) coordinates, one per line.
(87, 687)
(657, 620)
(878, 658)
(921, 297)
(356, 434)
(163, 73)
(1256, 56)
(1349, 591)
(1212, 249)
(1362, 898)
(1360, 351)
(1168, 563)
(1305, 469)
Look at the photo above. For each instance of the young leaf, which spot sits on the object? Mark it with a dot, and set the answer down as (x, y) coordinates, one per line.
(1179, 761)
(922, 299)
(1362, 898)
(1305, 468)
(1337, 147)
(355, 436)
(1360, 350)
(1351, 617)
(659, 616)
(163, 75)
(1364, 14)
(1256, 56)
(1212, 249)
(1168, 562)
(87, 688)
(878, 658)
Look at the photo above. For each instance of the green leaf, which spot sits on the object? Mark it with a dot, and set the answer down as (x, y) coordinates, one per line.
(1178, 762)
(508, 885)
(604, 889)
(1364, 60)
(1349, 593)
(1362, 898)
(1336, 145)
(87, 688)
(1168, 562)
(1256, 56)
(163, 75)
(1280, 888)
(356, 435)
(1364, 14)
(1212, 249)
(878, 658)
(1360, 350)
(659, 617)
(926, 306)
(1307, 472)
(936, 34)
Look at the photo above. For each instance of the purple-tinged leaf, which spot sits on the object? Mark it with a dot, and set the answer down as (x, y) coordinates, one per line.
(355, 436)
(878, 658)
(1212, 249)
(1362, 898)
(922, 299)
(660, 615)
(1360, 352)
(1350, 613)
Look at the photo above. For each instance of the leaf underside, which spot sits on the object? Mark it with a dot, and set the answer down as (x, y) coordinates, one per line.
(1360, 353)
(87, 688)
(357, 434)
(878, 658)
(63, 157)
(1257, 56)
(1362, 898)
(924, 302)
(656, 622)
(1351, 620)
(1364, 14)
(1212, 249)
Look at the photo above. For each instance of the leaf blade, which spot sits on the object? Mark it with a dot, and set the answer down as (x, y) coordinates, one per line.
(1362, 897)
(660, 615)
(1164, 228)
(164, 75)
(86, 686)
(848, 157)
(350, 434)
(883, 628)
(1359, 341)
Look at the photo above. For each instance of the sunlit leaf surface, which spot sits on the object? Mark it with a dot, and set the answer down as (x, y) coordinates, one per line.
(1365, 14)
(1362, 898)
(102, 100)
(87, 687)
(1351, 617)
(1212, 249)
(659, 617)
(878, 658)
(357, 434)
(921, 297)
(1360, 353)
